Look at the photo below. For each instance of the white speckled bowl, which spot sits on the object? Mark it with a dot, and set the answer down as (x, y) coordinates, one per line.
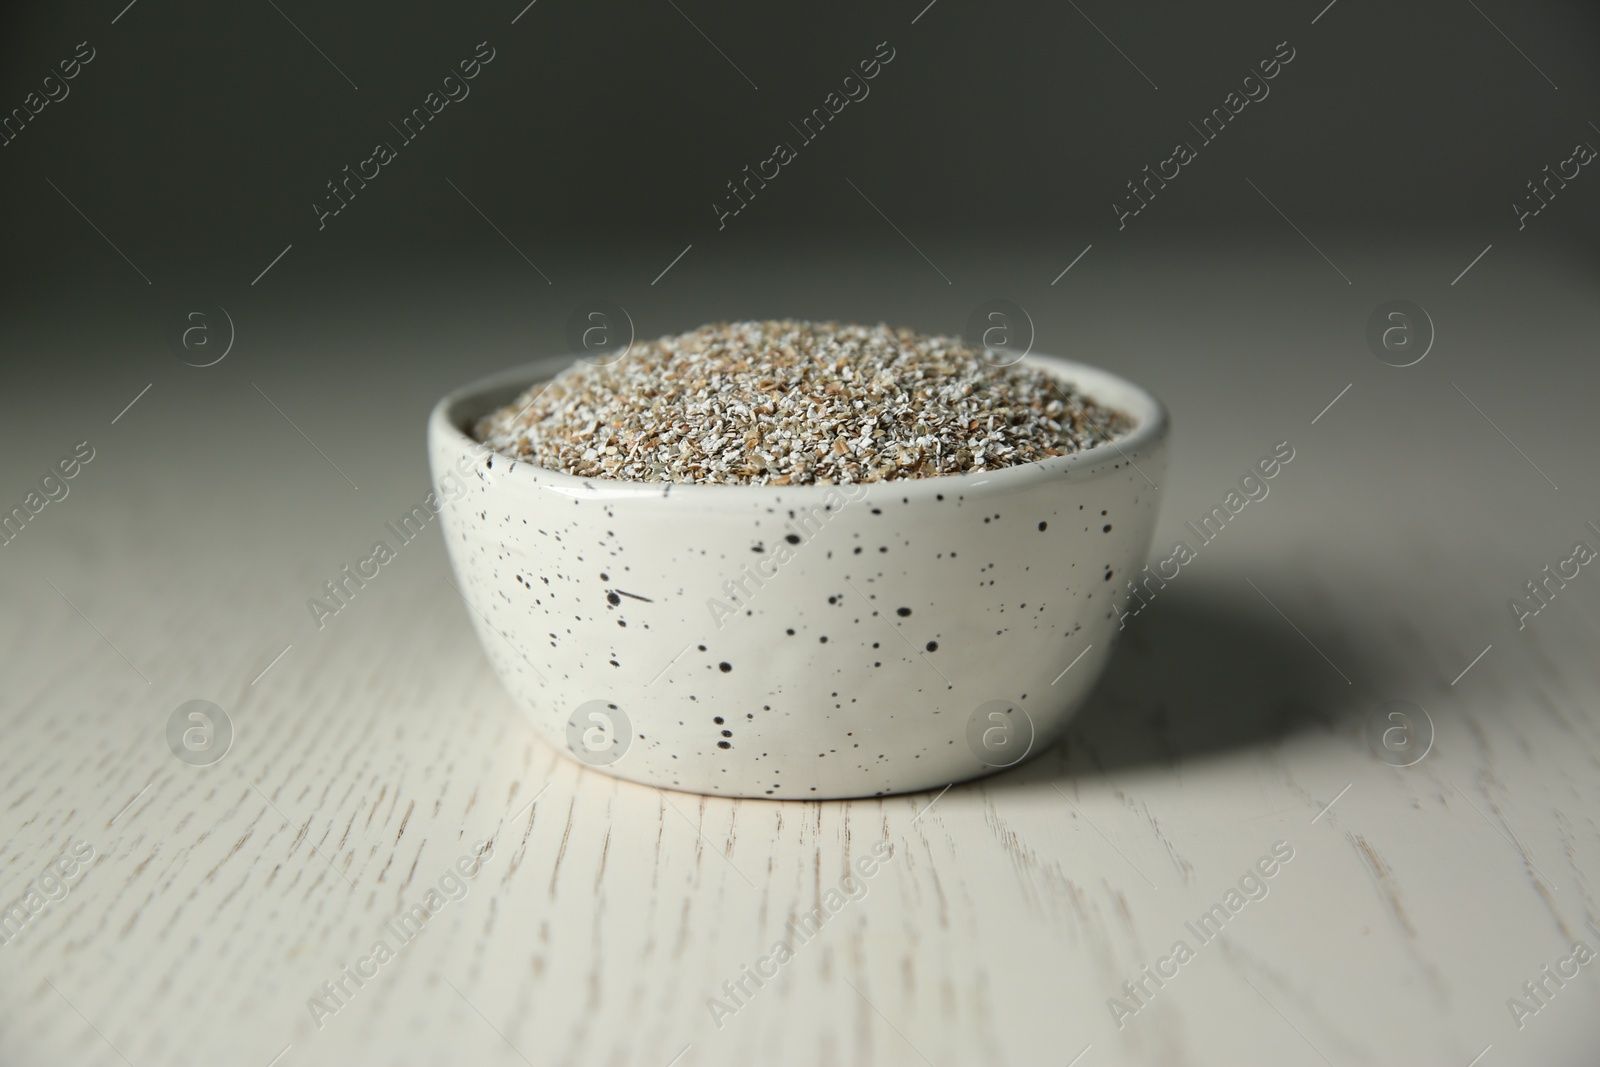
(799, 642)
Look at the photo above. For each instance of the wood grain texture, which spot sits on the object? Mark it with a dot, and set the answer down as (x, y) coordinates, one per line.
(376, 752)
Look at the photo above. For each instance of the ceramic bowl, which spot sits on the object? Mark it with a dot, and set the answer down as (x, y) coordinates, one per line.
(799, 642)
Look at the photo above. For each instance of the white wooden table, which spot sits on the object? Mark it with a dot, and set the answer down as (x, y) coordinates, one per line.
(370, 757)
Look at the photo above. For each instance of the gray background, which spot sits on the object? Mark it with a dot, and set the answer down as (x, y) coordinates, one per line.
(200, 135)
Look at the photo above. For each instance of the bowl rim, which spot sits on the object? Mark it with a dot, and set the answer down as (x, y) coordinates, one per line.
(459, 408)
